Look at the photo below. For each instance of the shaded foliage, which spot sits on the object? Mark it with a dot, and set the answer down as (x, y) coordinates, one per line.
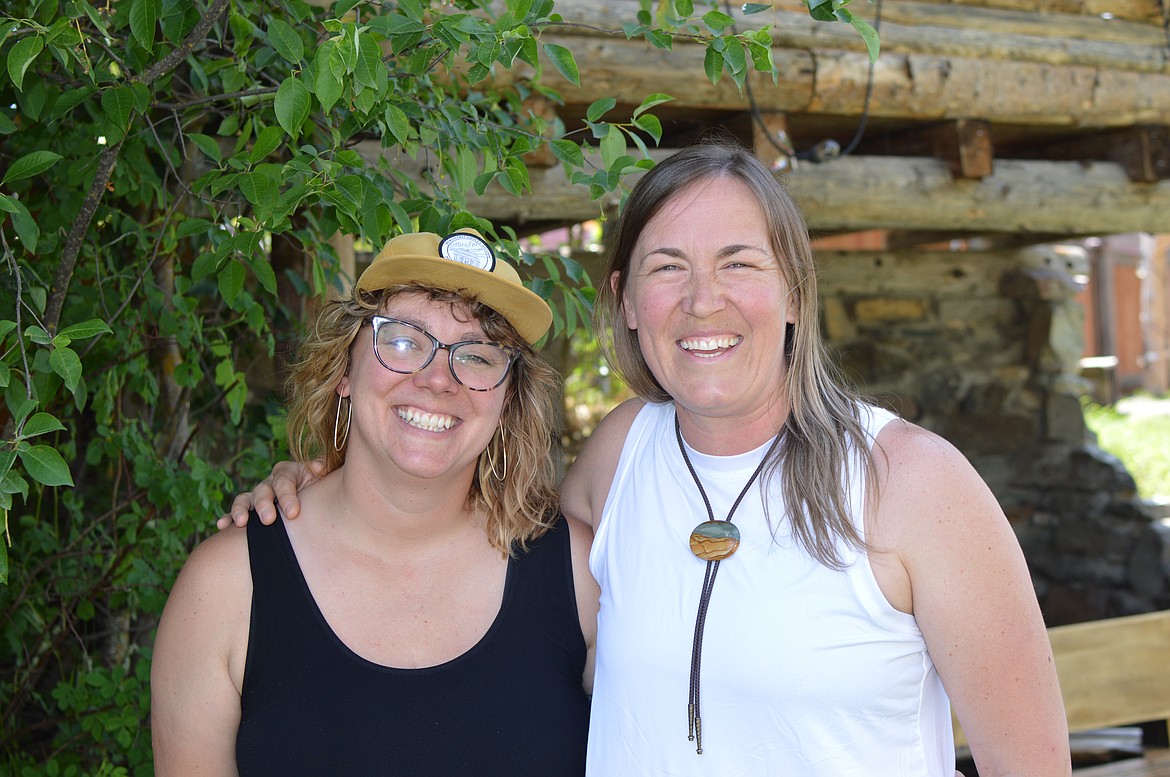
(173, 172)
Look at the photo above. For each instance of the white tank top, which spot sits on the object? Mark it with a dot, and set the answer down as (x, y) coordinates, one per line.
(806, 671)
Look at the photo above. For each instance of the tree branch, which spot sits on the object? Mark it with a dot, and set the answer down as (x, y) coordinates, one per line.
(105, 168)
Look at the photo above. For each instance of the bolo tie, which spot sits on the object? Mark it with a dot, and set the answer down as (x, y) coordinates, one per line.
(712, 540)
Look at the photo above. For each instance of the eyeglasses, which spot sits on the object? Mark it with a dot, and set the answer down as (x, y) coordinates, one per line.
(404, 348)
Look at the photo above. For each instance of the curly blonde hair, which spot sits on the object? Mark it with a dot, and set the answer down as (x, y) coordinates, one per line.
(519, 508)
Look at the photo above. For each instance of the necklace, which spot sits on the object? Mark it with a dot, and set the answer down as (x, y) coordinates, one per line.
(711, 541)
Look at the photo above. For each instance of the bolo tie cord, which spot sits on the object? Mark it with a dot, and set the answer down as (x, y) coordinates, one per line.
(694, 714)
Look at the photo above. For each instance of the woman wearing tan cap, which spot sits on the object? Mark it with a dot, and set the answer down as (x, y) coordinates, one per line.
(794, 581)
(434, 616)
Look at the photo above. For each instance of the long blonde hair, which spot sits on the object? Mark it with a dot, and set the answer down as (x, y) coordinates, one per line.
(520, 507)
(823, 426)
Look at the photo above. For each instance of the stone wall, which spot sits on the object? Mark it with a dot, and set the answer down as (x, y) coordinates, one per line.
(982, 347)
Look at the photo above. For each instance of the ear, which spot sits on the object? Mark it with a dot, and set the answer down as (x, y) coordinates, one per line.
(343, 386)
(627, 307)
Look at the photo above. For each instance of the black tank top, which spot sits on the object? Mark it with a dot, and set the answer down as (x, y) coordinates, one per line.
(511, 706)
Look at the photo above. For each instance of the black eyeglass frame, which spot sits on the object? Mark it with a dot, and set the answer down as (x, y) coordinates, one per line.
(376, 323)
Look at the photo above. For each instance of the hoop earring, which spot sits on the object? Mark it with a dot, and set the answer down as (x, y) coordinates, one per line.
(338, 444)
(492, 460)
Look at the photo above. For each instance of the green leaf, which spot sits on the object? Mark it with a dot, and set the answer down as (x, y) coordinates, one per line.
(519, 9)
(599, 108)
(751, 8)
(207, 145)
(659, 39)
(190, 227)
(44, 465)
(29, 165)
(7, 459)
(648, 102)
(568, 152)
(7, 126)
(327, 85)
(86, 329)
(231, 281)
(650, 124)
(292, 105)
(717, 21)
(713, 65)
(398, 124)
(264, 273)
(40, 423)
(205, 264)
(69, 100)
(259, 190)
(868, 34)
(143, 20)
(760, 49)
(266, 142)
(286, 41)
(684, 8)
(26, 228)
(20, 56)
(38, 335)
(66, 363)
(823, 10)
(734, 57)
(613, 146)
(515, 177)
(369, 70)
(563, 61)
(117, 103)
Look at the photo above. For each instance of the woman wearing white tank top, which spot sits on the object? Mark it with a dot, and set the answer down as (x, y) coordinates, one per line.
(793, 582)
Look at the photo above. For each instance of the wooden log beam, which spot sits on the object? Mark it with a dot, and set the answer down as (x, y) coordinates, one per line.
(906, 86)
(906, 193)
(940, 29)
(1144, 151)
(965, 145)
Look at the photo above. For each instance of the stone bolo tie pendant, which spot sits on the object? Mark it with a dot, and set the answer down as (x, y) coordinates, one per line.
(714, 540)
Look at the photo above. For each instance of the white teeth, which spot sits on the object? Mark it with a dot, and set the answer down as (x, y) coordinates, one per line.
(709, 343)
(428, 421)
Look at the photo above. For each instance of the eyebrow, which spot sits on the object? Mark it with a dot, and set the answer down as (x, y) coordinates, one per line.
(468, 334)
(722, 253)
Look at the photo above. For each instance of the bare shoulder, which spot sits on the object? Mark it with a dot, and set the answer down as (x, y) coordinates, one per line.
(586, 485)
(211, 598)
(217, 562)
(923, 477)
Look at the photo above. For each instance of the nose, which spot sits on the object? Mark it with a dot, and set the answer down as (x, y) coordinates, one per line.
(437, 375)
(705, 295)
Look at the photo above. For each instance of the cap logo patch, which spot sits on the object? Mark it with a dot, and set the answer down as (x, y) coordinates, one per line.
(468, 249)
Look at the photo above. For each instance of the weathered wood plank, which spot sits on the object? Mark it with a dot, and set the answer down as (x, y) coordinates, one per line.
(936, 28)
(909, 193)
(1114, 671)
(1154, 764)
(833, 81)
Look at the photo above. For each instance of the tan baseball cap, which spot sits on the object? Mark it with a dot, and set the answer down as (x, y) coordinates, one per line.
(464, 263)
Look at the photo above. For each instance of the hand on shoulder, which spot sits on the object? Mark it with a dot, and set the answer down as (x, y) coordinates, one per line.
(586, 484)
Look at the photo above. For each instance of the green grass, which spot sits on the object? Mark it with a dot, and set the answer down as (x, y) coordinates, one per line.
(1140, 439)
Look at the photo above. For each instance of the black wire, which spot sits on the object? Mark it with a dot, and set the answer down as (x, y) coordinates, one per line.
(820, 152)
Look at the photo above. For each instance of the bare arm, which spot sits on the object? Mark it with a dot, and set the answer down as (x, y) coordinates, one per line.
(287, 478)
(587, 591)
(971, 593)
(585, 486)
(197, 668)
